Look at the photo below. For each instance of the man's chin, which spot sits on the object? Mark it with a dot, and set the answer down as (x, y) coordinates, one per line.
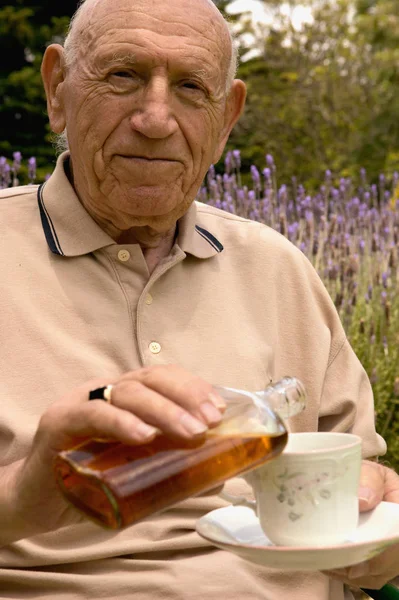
(156, 208)
(152, 201)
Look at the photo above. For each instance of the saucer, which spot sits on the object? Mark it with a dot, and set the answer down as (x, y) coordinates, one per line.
(237, 529)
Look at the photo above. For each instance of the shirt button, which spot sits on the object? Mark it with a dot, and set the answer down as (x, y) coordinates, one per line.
(155, 348)
(123, 255)
(148, 299)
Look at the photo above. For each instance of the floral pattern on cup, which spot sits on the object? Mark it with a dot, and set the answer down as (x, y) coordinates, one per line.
(297, 488)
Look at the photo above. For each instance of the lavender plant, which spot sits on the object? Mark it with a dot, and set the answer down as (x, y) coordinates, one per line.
(11, 171)
(348, 230)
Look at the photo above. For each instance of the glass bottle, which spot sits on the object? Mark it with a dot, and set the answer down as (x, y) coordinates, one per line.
(117, 484)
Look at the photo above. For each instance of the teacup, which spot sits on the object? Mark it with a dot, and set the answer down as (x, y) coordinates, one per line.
(308, 496)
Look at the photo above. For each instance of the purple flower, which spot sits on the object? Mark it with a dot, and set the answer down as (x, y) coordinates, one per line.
(32, 169)
(255, 175)
(292, 230)
(282, 193)
(17, 156)
(16, 165)
(251, 196)
(5, 173)
(267, 174)
(237, 158)
(211, 174)
(384, 278)
(269, 160)
(228, 162)
(3, 166)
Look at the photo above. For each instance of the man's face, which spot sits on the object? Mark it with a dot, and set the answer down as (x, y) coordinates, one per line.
(145, 106)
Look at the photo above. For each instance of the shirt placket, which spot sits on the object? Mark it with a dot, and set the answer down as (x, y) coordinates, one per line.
(150, 340)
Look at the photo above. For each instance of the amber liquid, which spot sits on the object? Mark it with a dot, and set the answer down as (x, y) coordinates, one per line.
(117, 485)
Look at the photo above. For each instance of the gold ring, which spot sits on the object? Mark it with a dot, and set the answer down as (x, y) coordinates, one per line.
(102, 393)
(107, 393)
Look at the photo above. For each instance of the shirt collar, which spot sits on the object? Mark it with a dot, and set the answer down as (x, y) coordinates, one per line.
(71, 231)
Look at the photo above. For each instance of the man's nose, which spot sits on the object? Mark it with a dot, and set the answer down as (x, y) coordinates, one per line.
(154, 118)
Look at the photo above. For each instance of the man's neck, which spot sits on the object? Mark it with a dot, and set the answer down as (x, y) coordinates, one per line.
(153, 256)
(154, 249)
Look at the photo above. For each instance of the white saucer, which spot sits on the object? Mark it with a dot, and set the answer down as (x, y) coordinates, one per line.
(237, 529)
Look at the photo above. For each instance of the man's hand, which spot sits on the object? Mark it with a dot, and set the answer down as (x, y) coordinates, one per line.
(377, 483)
(145, 401)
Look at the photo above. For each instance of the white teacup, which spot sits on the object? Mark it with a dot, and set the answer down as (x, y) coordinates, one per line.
(308, 496)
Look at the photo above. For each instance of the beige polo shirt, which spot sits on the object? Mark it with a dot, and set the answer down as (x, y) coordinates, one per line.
(234, 302)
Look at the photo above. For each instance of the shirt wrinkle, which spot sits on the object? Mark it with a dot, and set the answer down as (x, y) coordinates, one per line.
(336, 349)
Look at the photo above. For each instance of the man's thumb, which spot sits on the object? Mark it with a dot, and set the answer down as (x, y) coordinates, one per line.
(377, 483)
(371, 486)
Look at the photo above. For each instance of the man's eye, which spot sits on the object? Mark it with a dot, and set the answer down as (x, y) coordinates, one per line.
(123, 74)
(191, 85)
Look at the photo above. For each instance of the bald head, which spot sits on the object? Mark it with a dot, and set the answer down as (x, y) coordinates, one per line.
(143, 99)
(90, 11)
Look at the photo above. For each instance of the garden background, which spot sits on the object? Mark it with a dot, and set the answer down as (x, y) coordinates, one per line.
(316, 154)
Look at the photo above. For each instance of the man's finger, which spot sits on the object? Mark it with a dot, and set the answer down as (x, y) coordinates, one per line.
(371, 486)
(391, 491)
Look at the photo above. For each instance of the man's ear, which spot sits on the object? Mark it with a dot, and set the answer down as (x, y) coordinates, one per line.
(53, 75)
(234, 108)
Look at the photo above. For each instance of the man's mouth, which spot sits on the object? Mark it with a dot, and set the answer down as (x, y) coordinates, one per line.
(148, 159)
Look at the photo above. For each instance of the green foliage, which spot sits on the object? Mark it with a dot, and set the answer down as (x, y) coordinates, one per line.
(369, 309)
(25, 30)
(324, 96)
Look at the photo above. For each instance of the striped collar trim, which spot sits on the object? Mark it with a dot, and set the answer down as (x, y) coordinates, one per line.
(47, 224)
(214, 242)
(194, 236)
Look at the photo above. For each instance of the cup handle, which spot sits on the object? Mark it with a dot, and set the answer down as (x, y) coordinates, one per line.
(238, 500)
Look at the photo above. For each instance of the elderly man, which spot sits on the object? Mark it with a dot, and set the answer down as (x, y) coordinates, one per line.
(113, 275)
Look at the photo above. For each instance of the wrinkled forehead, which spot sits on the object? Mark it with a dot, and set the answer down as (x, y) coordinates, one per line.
(173, 26)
